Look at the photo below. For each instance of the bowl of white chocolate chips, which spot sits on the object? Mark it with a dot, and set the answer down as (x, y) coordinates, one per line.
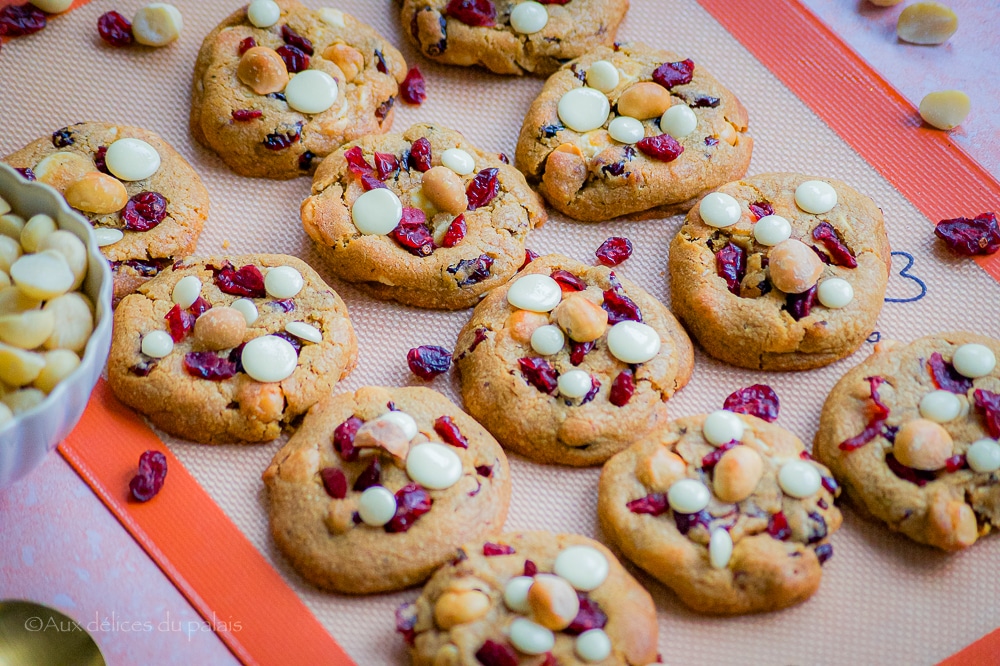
(55, 321)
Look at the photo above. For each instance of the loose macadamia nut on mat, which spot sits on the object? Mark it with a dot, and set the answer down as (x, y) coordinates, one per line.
(945, 109)
(157, 24)
(927, 23)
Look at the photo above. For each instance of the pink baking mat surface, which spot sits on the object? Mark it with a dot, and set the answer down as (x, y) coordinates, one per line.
(883, 599)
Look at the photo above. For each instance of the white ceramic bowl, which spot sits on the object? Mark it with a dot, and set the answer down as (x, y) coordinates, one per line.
(31, 435)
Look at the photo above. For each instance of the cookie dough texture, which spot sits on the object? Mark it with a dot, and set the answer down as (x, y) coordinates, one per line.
(573, 28)
(631, 624)
(447, 278)
(365, 559)
(764, 573)
(755, 330)
(542, 427)
(364, 98)
(591, 177)
(937, 513)
(140, 254)
(237, 409)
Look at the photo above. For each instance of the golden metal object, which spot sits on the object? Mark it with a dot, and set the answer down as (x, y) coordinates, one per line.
(35, 635)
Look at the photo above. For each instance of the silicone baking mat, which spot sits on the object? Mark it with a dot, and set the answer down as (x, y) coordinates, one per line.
(814, 108)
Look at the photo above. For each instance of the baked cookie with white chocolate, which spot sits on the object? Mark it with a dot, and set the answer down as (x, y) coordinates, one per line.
(912, 433)
(279, 86)
(146, 203)
(510, 37)
(726, 509)
(531, 598)
(230, 349)
(568, 364)
(780, 271)
(423, 218)
(630, 129)
(379, 487)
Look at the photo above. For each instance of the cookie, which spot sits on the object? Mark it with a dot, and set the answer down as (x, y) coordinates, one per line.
(726, 509)
(629, 129)
(423, 218)
(563, 597)
(509, 37)
(230, 349)
(379, 487)
(568, 364)
(262, 123)
(912, 433)
(146, 203)
(780, 271)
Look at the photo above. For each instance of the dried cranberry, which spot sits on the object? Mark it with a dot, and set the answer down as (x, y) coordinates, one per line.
(777, 526)
(712, 458)
(247, 281)
(144, 211)
(662, 147)
(370, 182)
(383, 109)
(491, 549)
(420, 154)
(840, 254)
(283, 304)
(356, 162)
(335, 482)
(450, 433)
(595, 386)
(179, 322)
(731, 266)
(152, 473)
(406, 620)
(483, 188)
(295, 58)
(622, 388)
(143, 368)
(293, 340)
(62, 138)
(955, 463)
(493, 653)
(620, 307)
(758, 400)
(529, 256)
(761, 209)
(567, 281)
(829, 483)
(293, 38)
(705, 101)
(479, 336)
(614, 251)
(17, 20)
(208, 365)
(876, 421)
(281, 141)
(800, 305)
(476, 13)
(343, 438)
(687, 521)
(26, 173)
(671, 74)
(711, 141)
(538, 373)
(246, 115)
(578, 350)
(945, 376)
(472, 271)
(455, 233)
(824, 551)
(115, 29)
(503, 158)
(428, 361)
(370, 476)
(385, 164)
(530, 568)
(306, 159)
(916, 476)
(654, 504)
(412, 501)
(380, 62)
(819, 532)
(980, 235)
(989, 403)
(413, 89)
(247, 44)
(199, 307)
(590, 616)
(412, 233)
(484, 470)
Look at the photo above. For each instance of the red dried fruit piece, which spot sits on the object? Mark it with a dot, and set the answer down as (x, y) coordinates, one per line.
(412, 501)
(980, 235)
(662, 147)
(567, 281)
(476, 13)
(711, 459)
(293, 38)
(247, 281)
(989, 404)
(62, 137)
(829, 483)
(578, 350)
(199, 307)
(335, 482)
(758, 400)
(777, 526)
(711, 141)
(653, 504)
(955, 463)
(472, 271)
(144, 211)
(380, 62)
(595, 386)
(208, 365)
(875, 422)
(143, 368)
(450, 433)
(731, 266)
(284, 304)
(17, 20)
(590, 616)
(493, 653)
(305, 160)
(915, 476)
(484, 470)
(247, 44)
(356, 162)
(671, 74)
(840, 254)
(688, 521)
(413, 89)
(281, 141)
(538, 373)
(614, 251)
(246, 115)
(370, 182)
(179, 322)
(412, 233)
(428, 361)
(26, 173)
(406, 620)
(480, 336)
(152, 473)
(824, 551)
(370, 476)
(343, 438)
(945, 377)
(620, 307)
(622, 388)
(295, 59)
(491, 549)
(456, 232)
(761, 209)
(385, 164)
(115, 29)
(483, 188)
(800, 305)
(529, 256)
(420, 154)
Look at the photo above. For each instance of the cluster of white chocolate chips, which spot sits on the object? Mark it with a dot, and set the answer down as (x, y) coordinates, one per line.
(794, 267)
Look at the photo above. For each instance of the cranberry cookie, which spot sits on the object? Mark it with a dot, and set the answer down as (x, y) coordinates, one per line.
(278, 85)
(230, 349)
(531, 598)
(378, 488)
(423, 217)
(145, 201)
(726, 509)
(628, 129)
(780, 271)
(912, 433)
(569, 364)
(510, 37)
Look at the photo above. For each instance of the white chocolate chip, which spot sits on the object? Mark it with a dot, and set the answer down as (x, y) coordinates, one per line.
(59, 364)
(583, 109)
(771, 230)
(584, 567)
(983, 456)
(548, 339)
(603, 76)
(269, 359)
(311, 91)
(575, 383)
(247, 308)
(107, 236)
(945, 109)
(626, 130)
(799, 479)
(720, 548)
(44, 275)
(816, 197)
(52, 6)
(132, 159)
(722, 426)
(157, 24)
(534, 292)
(377, 211)
(332, 17)
(688, 496)
(283, 282)
(528, 17)
(459, 161)
(304, 331)
(718, 209)
(515, 593)
(678, 121)
(974, 360)
(435, 466)
(186, 291)
(633, 342)
(531, 638)
(157, 344)
(835, 293)
(263, 13)
(36, 230)
(403, 420)
(377, 506)
(593, 645)
(940, 406)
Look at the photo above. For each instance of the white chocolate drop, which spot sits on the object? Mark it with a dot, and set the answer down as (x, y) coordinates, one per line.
(132, 159)
(974, 360)
(528, 17)
(626, 130)
(107, 236)
(575, 383)
(332, 17)
(534, 292)
(157, 344)
(940, 406)
(633, 342)
(718, 209)
(263, 13)
(311, 91)
(593, 645)
(403, 420)
(835, 293)
(433, 465)
(816, 197)
(269, 359)
(983, 456)
(771, 230)
(515, 594)
(531, 638)
(247, 308)
(377, 506)
(304, 331)
(603, 76)
(377, 211)
(720, 548)
(283, 282)
(585, 568)
(678, 121)
(722, 426)
(459, 161)
(688, 496)
(548, 339)
(186, 291)
(583, 109)
(799, 479)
